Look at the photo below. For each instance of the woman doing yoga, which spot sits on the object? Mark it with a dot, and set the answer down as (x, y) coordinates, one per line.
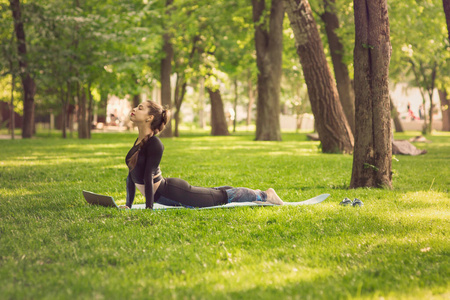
(144, 173)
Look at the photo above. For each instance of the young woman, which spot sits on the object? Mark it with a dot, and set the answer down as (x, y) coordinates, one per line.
(144, 173)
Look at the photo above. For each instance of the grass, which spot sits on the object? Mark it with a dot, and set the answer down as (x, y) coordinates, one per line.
(54, 246)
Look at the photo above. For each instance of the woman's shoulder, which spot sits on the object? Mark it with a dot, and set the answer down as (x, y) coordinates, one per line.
(154, 144)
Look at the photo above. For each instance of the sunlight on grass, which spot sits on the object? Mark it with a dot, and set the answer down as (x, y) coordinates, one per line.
(395, 246)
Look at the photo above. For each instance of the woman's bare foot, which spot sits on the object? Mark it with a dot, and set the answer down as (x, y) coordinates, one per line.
(273, 198)
(123, 207)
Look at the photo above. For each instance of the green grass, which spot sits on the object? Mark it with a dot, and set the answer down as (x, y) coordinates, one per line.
(54, 246)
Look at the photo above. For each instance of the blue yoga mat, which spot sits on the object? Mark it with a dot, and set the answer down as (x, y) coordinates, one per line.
(108, 201)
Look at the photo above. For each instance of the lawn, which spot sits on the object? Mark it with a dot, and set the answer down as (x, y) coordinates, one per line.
(54, 246)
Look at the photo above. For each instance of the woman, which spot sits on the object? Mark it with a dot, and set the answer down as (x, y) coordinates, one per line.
(144, 173)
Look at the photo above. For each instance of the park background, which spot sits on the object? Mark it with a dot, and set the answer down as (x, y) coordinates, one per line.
(71, 70)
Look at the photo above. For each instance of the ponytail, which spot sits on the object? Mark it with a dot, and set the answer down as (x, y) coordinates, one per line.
(165, 117)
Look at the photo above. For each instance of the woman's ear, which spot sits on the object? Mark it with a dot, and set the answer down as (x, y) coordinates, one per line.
(150, 119)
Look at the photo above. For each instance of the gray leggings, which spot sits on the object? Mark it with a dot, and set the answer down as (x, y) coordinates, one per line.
(177, 192)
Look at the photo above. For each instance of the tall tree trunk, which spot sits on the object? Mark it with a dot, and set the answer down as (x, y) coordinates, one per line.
(343, 82)
(446, 4)
(372, 157)
(82, 113)
(251, 100)
(180, 90)
(29, 86)
(11, 106)
(235, 104)
(136, 100)
(166, 71)
(65, 99)
(218, 121)
(430, 96)
(269, 48)
(90, 111)
(72, 115)
(394, 115)
(201, 103)
(331, 124)
(445, 108)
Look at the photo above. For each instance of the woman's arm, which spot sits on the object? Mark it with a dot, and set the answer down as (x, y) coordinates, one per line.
(154, 154)
(131, 190)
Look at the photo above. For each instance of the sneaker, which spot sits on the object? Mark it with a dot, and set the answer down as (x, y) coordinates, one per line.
(346, 202)
(357, 202)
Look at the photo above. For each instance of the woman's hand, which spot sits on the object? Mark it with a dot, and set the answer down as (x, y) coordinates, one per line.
(123, 207)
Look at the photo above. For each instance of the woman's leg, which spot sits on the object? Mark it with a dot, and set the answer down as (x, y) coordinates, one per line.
(245, 195)
(248, 195)
(180, 191)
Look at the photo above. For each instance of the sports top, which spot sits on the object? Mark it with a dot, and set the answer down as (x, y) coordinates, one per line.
(147, 166)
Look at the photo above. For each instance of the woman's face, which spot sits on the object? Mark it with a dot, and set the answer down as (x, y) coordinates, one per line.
(140, 114)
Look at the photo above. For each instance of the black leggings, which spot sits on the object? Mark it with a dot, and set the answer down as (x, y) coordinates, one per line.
(177, 192)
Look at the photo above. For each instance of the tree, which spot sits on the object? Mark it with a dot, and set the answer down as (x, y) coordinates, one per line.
(166, 71)
(443, 95)
(446, 4)
(373, 146)
(445, 106)
(269, 48)
(28, 83)
(331, 124)
(343, 82)
(394, 116)
(419, 49)
(218, 122)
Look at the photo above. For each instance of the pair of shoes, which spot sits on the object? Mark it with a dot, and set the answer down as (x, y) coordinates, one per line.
(355, 202)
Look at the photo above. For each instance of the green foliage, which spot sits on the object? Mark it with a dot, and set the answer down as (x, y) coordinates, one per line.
(418, 36)
(395, 246)
(116, 46)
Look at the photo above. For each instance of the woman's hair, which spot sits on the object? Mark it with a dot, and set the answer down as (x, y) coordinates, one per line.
(161, 117)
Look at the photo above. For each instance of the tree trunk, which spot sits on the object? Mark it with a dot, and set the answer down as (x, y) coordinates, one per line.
(218, 121)
(65, 103)
(331, 124)
(136, 100)
(71, 117)
(343, 82)
(446, 4)
(82, 113)
(445, 108)
(29, 86)
(430, 95)
(373, 146)
(269, 48)
(235, 104)
(201, 104)
(11, 107)
(251, 100)
(394, 116)
(89, 112)
(166, 71)
(180, 90)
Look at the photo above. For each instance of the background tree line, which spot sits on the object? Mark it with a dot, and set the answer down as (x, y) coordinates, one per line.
(68, 56)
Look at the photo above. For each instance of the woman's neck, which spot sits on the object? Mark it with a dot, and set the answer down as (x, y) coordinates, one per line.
(143, 132)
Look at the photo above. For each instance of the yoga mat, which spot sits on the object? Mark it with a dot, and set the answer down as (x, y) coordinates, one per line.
(108, 201)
